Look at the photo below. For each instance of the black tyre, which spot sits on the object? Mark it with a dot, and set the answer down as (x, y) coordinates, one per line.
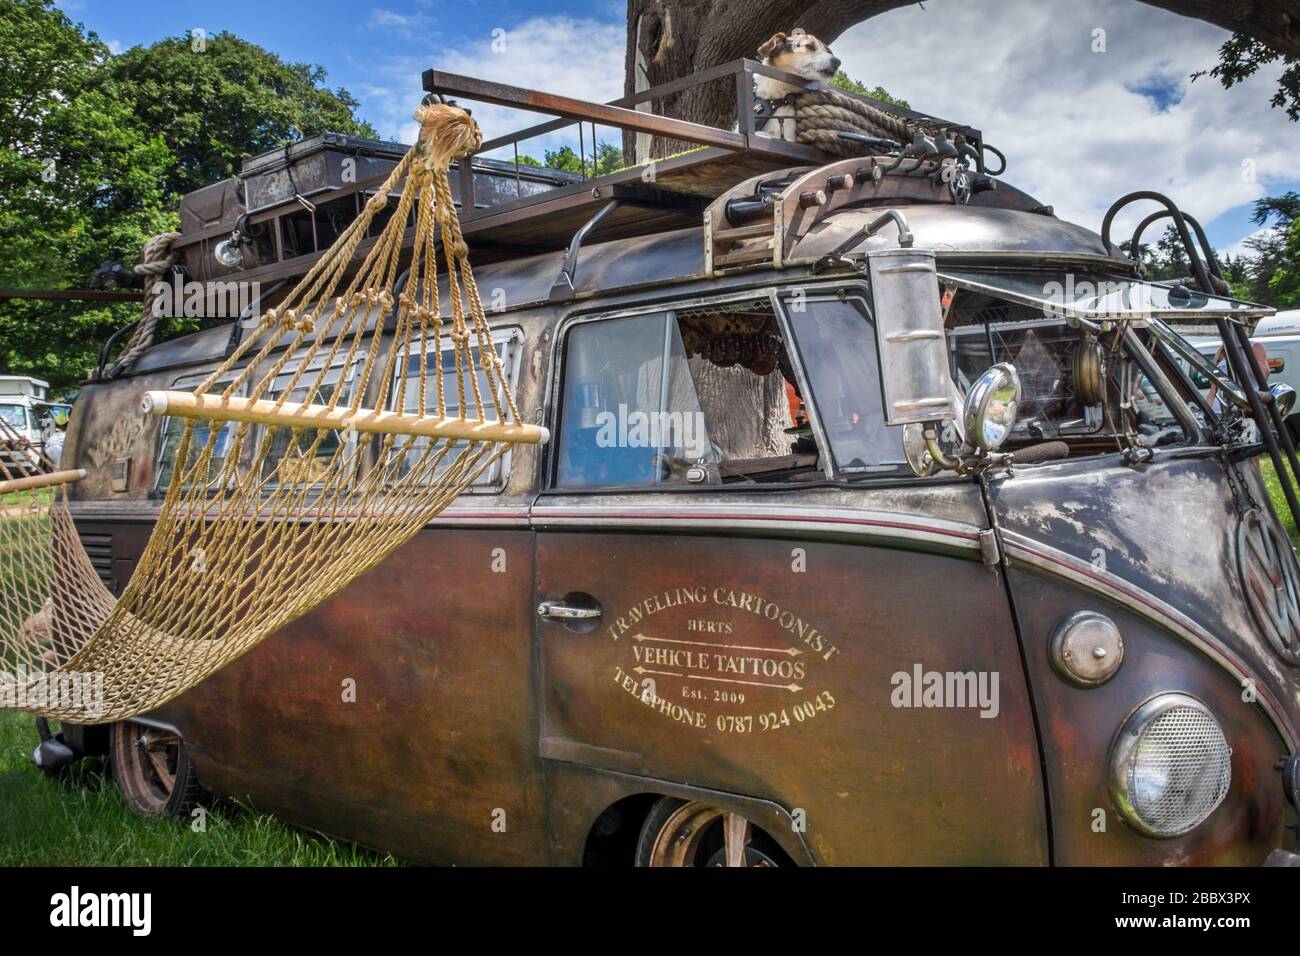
(153, 770)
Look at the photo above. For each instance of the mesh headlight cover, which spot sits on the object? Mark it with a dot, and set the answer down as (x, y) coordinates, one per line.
(1171, 766)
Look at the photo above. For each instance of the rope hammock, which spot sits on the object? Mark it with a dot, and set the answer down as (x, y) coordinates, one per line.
(276, 503)
(46, 578)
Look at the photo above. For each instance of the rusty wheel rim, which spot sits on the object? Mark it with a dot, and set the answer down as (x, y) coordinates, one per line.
(146, 759)
(697, 834)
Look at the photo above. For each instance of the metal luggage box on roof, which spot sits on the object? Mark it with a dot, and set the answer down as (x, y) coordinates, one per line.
(331, 161)
(314, 165)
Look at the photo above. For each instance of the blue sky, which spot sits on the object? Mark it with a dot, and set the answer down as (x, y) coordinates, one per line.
(1080, 125)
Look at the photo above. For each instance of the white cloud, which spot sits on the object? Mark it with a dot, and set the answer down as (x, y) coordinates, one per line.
(1080, 128)
(114, 46)
(390, 19)
(1239, 248)
(574, 57)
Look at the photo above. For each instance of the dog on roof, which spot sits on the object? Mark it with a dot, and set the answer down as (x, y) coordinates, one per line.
(795, 52)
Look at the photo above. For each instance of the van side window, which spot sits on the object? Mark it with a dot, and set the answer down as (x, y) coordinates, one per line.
(315, 447)
(700, 394)
(507, 345)
(170, 438)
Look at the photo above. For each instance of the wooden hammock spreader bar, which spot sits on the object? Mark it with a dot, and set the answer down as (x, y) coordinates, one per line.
(296, 415)
(42, 481)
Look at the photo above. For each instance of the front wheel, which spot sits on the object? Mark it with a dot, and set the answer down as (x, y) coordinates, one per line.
(693, 833)
(152, 769)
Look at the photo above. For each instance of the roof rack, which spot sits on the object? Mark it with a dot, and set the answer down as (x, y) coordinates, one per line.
(502, 219)
(657, 194)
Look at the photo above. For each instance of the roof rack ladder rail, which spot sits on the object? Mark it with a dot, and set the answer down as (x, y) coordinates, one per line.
(1216, 271)
(1236, 345)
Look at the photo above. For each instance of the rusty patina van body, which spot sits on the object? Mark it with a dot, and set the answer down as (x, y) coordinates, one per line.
(780, 620)
(881, 523)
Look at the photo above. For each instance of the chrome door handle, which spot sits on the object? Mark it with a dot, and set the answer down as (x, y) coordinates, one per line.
(556, 611)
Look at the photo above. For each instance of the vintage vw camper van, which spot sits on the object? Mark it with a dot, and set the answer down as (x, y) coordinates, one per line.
(881, 524)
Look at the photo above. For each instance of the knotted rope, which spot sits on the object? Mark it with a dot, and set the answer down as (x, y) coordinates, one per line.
(156, 260)
(821, 115)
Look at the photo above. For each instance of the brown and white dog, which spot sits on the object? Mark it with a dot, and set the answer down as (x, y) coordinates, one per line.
(796, 52)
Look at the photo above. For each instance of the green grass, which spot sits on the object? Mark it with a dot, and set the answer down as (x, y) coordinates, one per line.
(1279, 500)
(43, 496)
(80, 820)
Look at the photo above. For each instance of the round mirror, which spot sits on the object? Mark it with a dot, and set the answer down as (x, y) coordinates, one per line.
(1283, 398)
(990, 411)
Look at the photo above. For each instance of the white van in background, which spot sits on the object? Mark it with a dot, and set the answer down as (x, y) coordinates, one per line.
(1280, 336)
(24, 407)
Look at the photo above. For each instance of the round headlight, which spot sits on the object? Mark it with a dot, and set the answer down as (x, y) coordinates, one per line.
(990, 410)
(228, 253)
(1170, 766)
(1283, 398)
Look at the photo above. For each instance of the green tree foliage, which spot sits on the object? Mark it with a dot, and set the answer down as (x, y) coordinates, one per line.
(1285, 282)
(80, 180)
(842, 81)
(1241, 57)
(1273, 261)
(609, 158)
(1166, 259)
(95, 150)
(220, 98)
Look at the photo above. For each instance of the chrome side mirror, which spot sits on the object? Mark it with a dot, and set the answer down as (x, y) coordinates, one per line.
(991, 404)
(910, 337)
(1283, 397)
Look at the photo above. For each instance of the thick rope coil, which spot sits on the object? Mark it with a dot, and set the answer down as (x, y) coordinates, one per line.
(156, 259)
(821, 115)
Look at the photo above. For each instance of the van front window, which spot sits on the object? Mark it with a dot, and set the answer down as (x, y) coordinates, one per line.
(1084, 388)
(702, 394)
(837, 345)
(12, 415)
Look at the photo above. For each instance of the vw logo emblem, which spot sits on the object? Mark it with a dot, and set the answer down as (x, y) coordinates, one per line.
(1271, 580)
